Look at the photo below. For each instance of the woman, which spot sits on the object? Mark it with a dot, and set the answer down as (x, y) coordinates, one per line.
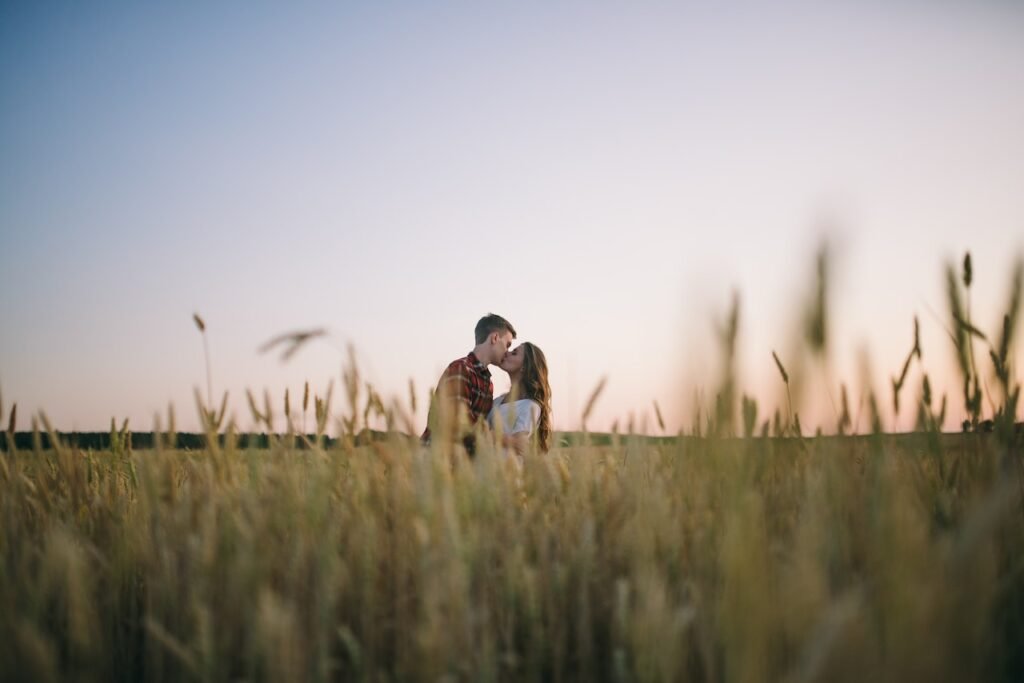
(525, 411)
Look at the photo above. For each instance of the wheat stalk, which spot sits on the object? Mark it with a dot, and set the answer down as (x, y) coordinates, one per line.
(201, 325)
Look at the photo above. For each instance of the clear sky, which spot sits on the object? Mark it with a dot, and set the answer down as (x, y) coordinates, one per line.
(602, 174)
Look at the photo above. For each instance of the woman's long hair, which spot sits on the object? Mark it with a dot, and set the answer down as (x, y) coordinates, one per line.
(534, 382)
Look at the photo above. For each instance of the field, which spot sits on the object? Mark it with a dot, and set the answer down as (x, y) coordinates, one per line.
(706, 557)
(869, 558)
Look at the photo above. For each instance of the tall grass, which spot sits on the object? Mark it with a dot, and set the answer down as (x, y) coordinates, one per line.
(740, 560)
(701, 558)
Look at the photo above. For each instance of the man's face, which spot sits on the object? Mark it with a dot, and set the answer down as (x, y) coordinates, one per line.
(501, 342)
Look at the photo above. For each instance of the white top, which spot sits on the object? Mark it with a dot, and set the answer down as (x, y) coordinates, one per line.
(517, 417)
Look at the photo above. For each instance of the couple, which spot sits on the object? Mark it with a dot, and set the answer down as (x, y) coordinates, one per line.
(465, 393)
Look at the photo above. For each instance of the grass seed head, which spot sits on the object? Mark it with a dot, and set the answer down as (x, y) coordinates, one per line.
(1012, 309)
(956, 311)
(592, 401)
(257, 418)
(782, 370)
(917, 337)
(223, 410)
(844, 416)
(816, 315)
(876, 417)
(292, 342)
(749, 409)
(268, 411)
(657, 414)
(37, 440)
(997, 363)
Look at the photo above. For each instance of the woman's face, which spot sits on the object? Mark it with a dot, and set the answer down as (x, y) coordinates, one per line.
(513, 360)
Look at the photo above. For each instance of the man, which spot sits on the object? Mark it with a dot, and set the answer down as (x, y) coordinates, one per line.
(465, 391)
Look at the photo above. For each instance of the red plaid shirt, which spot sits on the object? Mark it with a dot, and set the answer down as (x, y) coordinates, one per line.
(468, 382)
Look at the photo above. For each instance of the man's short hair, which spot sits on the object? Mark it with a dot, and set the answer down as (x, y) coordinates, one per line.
(490, 324)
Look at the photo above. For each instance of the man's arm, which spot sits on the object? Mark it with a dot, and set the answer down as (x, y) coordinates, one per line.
(453, 402)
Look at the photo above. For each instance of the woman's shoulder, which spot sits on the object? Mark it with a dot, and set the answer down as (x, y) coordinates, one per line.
(527, 401)
(528, 404)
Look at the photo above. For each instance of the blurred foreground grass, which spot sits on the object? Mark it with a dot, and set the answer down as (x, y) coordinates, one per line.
(841, 558)
(698, 558)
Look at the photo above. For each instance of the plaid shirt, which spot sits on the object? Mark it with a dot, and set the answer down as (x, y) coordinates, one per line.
(468, 382)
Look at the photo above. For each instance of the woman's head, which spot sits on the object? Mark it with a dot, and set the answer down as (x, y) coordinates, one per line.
(534, 371)
(527, 362)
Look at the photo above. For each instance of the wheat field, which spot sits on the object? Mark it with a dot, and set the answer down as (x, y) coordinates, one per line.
(712, 556)
(738, 560)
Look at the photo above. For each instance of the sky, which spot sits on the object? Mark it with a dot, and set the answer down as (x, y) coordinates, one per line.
(604, 175)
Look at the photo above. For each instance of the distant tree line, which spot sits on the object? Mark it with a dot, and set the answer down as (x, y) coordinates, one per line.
(101, 441)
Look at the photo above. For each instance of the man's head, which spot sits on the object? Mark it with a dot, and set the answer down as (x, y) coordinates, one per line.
(494, 336)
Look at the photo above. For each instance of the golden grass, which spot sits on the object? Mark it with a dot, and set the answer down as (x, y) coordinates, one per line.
(739, 560)
(845, 558)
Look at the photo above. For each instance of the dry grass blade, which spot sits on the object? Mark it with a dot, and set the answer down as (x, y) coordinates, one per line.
(1012, 315)
(55, 442)
(956, 311)
(292, 341)
(876, 416)
(1004, 342)
(971, 330)
(288, 425)
(206, 355)
(204, 414)
(897, 384)
(223, 410)
(749, 412)
(917, 337)
(172, 428)
(844, 416)
(350, 375)
(816, 317)
(592, 401)
(209, 417)
(256, 415)
(782, 370)
(729, 332)
(11, 424)
(171, 644)
(323, 409)
(268, 411)
(998, 365)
